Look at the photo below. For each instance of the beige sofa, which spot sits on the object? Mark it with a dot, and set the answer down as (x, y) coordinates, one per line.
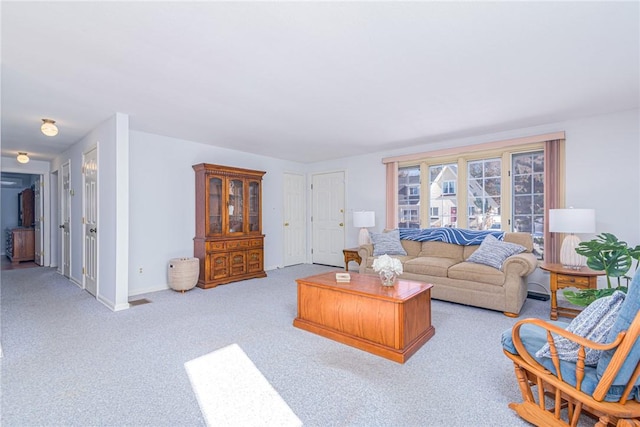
(459, 281)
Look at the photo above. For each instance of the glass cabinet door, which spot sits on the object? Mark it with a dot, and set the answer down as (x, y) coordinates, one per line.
(215, 206)
(235, 206)
(254, 206)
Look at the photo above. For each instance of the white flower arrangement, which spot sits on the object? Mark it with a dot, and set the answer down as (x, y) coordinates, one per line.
(386, 264)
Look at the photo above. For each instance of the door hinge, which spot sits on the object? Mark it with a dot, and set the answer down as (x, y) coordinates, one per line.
(83, 220)
(508, 173)
(83, 271)
(312, 186)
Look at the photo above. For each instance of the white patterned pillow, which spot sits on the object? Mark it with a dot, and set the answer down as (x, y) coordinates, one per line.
(387, 243)
(593, 323)
(494, 252)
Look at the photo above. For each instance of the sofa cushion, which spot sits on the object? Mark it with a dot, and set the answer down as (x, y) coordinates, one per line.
(412, 248)
(387, 243)
(431, 266)
(593, 323)
(493, 252)
(476, 273)
(403, 259)
(442, 250)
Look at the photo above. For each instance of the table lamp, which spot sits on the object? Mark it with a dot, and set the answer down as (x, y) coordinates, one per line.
(572, 221)
(364, 219)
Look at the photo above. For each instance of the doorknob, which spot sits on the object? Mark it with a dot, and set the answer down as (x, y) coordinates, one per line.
(62, 226)
(286, 224)
(93, 230)
(341, 225)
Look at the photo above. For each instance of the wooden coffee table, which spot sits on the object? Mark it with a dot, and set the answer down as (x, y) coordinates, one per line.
(392, 322)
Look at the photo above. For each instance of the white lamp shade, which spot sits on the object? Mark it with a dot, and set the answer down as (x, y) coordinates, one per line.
(364, 219)
(572, 220)
(23, 158)
(49, 128)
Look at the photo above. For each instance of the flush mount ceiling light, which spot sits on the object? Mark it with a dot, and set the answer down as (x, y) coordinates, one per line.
(49, 127)
(22, 158)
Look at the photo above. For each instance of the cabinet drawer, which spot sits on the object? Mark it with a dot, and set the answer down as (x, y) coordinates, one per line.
(215, 246)
(256, 243)
(238, 244)
(566, 280)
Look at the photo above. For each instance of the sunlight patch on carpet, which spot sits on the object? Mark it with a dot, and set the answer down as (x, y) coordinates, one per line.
(231, 391)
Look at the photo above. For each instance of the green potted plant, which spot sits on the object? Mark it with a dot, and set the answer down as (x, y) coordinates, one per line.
(609, 254)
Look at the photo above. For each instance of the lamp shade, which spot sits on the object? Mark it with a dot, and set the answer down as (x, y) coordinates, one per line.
(49, 127)
(572, 220)
(364, 219)
(23, 158)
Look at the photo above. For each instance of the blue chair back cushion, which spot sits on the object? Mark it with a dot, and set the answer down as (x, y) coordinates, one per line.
(628, 311)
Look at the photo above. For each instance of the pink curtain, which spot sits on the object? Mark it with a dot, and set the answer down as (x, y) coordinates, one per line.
(392, 196)
(553, 196)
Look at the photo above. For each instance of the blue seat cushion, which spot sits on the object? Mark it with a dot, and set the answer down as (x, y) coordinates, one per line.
(533, 338)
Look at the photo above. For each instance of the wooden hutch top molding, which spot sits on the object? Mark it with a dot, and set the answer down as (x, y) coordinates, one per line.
(210, 169)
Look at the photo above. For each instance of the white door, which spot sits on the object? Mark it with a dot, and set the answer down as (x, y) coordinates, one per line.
(90, 179)
(38, 220)
(295, 241)
(65, 217)
(328, 219)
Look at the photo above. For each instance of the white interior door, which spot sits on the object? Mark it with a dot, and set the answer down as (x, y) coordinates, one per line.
(65, 217)
(90, 178)
(328, 219)
(38, 219)
(295, 241)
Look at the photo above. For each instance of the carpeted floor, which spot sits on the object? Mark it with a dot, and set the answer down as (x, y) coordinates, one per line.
(68, 360)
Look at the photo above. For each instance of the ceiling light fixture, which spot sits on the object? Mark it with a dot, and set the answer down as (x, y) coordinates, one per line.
(22, 158)
(49, 127)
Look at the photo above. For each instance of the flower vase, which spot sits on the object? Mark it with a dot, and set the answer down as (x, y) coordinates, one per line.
(388, 278)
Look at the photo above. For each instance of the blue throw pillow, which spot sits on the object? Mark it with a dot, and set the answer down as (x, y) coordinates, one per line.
(593, 323)
(493, 252)
(387, 243)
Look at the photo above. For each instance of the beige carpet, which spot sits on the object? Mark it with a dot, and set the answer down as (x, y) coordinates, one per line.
(231, 391)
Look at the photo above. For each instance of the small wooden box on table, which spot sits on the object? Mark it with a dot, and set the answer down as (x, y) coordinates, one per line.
(391, 322)
(561, 277)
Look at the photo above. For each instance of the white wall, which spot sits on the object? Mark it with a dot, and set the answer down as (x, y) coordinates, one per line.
(162, 203)
(111, 138)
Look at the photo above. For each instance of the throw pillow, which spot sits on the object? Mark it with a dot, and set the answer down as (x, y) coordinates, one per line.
(593, 323)
(494, 252)
(387, 243)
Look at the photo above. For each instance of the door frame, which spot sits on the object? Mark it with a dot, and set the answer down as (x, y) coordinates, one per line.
(344, 204)
(285, 215)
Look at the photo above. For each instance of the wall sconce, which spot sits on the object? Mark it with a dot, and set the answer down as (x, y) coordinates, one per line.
(22, 158)
(363, 220)
(572, 221)
(49, 127)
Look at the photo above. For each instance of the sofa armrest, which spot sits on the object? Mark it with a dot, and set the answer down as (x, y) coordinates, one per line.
(365, 251)
(521, 264)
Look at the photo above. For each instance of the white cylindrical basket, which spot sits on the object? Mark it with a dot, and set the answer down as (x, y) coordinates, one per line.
(183, 273)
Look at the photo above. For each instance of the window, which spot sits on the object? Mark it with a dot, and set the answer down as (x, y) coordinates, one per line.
(442, 197)
(409, 197)
(449, 187)
(528, 196)
(498, 190)
(484, 191)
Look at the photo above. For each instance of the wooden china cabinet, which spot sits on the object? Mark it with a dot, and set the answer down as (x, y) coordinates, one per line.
(229, 240)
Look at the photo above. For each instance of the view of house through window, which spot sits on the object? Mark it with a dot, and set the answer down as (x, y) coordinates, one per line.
(409, 197)
(483, 197)
(442, 195)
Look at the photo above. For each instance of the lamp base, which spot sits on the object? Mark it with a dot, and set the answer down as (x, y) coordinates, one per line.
(363, 237)
(569, 258)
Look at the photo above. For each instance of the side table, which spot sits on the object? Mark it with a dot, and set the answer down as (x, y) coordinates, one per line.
(351, 255)
(561, 278)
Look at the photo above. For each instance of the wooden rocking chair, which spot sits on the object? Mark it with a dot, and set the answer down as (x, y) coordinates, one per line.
(609, 391)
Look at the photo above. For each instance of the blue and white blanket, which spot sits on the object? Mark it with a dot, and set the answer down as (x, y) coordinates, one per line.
(458, 236)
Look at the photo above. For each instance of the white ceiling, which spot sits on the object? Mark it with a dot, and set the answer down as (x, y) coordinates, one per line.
(309, 81)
